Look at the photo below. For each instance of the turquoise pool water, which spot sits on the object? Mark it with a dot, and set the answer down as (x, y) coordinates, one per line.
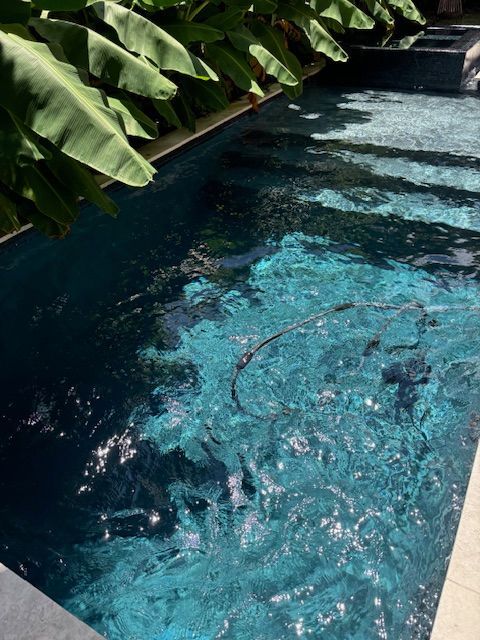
(140, 495)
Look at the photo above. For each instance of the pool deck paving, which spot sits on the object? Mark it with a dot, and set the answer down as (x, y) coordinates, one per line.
(28, 614)
(458, 613)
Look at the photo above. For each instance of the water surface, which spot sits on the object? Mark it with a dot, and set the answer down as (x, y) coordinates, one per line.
(139, 495)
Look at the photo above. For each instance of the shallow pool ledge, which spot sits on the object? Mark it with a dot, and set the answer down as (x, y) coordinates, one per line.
(27, 614)
(458, 614)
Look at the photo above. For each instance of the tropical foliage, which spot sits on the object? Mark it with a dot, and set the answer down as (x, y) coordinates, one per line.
(83, 81)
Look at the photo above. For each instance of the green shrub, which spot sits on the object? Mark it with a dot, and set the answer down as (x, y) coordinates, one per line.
(81, 77)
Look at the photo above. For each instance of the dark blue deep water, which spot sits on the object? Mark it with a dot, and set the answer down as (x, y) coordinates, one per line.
(324, 504)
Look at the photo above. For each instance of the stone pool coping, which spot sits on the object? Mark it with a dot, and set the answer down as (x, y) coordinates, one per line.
(168, 145)
(458, 612)
(28, 614)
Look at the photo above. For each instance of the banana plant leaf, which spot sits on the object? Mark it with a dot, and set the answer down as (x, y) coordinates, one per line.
(136, 122)
(379, 12)
(332, 25)
(50, 197)
(226, 20)
(64, 5)
(344, 12)
(43, 223)
(140, 35)
(104, 59)
(9, 220)
(185, 32)
(267, 7)
(234, 65)
(184, 111)
(407, 9)
(273, 40)
(78, 178)
(32, 75)
(239, 4)
(208, 96)
(156, 5)
(407, 41)
(244, 40)
(17, 143)
(320, 39)
(166, 110)
(15, 11)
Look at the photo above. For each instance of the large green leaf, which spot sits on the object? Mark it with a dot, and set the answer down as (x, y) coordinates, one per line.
(50, 98)
(185, 31)
(104, 59)
(9, 220)
(244, 40)
(407, 41)
(184, 111)
(49, 196)
(379, 12)
(226, 20)
(206, 95)
(320, 39)
(265, 6)
(156, 5)
(17, 143)
(80, 180)
(296, 11)
(239, 4)
(234, 65)
(136, 122)
(64, 5)
(332, 25)
(44, 224)
(15, 11)
(140, 35)
(273, 40)
(166, 110)
(344, 12)
(407, 9)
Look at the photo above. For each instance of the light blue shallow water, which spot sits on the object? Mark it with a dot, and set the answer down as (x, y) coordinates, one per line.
(326, 505)
(345, 514)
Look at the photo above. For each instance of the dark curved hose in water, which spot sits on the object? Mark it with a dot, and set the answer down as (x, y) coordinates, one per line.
(372, 344)
(248, 355)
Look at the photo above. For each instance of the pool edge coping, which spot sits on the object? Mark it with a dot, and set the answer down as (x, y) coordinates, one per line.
(28, 614)
(178, 140)
(458, 612)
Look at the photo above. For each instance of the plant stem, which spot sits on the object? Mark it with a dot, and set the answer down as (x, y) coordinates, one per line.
(197, 10)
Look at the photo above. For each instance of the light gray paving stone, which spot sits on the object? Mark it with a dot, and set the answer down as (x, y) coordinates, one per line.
(28, 614)
(458, 614)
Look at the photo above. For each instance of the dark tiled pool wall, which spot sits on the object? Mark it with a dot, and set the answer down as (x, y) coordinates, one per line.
(439, 60)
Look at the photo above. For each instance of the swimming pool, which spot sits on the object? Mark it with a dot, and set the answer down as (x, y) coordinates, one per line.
(139, 494)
